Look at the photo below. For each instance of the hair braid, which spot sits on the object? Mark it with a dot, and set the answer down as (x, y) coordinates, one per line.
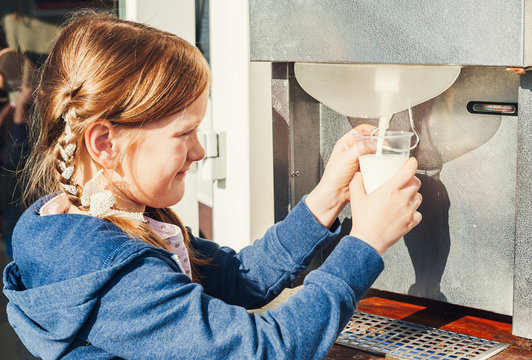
(64, 169)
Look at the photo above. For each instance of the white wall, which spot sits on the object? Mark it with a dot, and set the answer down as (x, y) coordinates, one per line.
(241, 105)
(261, 149)
(175, 16)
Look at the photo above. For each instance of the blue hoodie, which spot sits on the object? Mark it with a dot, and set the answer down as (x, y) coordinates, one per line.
(80, 288)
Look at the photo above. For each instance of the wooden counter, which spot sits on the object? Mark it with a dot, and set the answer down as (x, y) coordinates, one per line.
(439, 315)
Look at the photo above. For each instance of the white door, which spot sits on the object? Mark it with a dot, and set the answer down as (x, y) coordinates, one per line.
(240, 107)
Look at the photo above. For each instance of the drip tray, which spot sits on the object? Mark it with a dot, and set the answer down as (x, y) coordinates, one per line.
(399, 339)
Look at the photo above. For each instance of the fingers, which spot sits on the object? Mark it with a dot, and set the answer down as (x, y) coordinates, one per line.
(366, 147)
(416, 216)
(417, 182)
(349, 138)
(412, 186)
(416, 202)
(416, 219)
(405, 174)
(346, 142)
(364, 128)
(357, 186)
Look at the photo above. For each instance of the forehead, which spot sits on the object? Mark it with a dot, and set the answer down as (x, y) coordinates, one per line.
(189, 117)
(176, 121)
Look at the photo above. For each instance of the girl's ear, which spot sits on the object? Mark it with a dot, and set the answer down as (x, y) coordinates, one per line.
(101, 143)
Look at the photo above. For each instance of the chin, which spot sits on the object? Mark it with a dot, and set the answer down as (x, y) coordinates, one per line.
(171, 200)
(166, 198)
(165, 202)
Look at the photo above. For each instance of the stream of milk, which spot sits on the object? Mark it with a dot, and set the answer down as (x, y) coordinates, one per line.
(384, 123)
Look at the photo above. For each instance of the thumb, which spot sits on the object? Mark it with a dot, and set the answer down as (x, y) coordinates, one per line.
(357, 186)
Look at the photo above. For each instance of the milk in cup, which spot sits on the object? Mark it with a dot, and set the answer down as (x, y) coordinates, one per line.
(381, 156)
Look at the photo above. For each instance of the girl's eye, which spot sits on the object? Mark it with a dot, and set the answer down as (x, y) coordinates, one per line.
(188, 133)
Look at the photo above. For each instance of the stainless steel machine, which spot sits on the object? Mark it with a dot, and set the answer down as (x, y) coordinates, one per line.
(474, 246)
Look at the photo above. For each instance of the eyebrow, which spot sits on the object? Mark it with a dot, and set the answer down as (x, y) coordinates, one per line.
(185, 129)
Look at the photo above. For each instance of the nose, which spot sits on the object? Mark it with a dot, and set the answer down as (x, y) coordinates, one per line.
(196, 152)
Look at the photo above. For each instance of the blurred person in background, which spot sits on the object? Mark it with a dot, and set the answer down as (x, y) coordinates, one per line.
(25, 43)
(13, 122)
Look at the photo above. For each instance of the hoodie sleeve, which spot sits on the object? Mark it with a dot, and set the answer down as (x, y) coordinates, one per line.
(259, 272)
(150, 311)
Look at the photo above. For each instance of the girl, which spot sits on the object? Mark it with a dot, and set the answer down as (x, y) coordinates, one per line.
(104, 270)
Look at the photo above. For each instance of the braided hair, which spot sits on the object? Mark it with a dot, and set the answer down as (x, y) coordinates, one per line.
(66, 148)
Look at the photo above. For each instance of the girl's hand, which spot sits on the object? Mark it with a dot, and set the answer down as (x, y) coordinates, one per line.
(331, 194)
(384, 216)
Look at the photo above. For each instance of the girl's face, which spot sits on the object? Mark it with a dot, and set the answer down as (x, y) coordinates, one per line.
(153, 171)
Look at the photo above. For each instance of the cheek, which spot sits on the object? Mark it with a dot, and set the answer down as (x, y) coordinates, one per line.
(156, 167)
(165, 154)
(176, 156)
(170, 164)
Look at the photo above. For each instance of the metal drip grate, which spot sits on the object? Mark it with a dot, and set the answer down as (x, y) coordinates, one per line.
(404, 340)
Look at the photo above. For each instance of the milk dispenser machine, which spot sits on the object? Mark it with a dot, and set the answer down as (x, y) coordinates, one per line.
(453, 70)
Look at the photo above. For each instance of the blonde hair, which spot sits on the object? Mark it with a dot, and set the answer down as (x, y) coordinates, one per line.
(122, 71)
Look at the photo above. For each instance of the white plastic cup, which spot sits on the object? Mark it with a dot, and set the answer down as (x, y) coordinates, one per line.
(381, 157)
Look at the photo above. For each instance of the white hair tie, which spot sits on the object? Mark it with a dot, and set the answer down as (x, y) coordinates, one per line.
(66, 171)
(100, 202)
(71, 189)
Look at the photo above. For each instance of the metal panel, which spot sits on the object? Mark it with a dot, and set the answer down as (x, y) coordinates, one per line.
(459, 32)
(527, 30)
(522, 318)
(474, 246)
(296, 145)
(281, 144)
(297, 164)
(462, 252)
(304, 141)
